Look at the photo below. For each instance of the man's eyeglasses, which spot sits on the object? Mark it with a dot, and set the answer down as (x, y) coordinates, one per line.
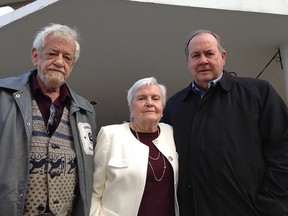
(52, 118)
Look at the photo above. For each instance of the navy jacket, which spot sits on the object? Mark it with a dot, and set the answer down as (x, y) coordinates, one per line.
(233, 149)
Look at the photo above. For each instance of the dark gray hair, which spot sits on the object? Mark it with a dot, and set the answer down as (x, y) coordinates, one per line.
(57, 30)
(201, 31)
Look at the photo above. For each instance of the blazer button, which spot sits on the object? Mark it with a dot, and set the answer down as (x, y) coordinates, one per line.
(155, 141)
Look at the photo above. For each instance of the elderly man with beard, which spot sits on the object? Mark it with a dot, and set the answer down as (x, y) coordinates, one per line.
(47, 133)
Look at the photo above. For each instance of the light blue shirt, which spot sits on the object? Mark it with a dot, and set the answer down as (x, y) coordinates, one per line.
(210, 84)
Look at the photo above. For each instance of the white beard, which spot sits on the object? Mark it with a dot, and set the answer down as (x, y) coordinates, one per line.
(52, 81)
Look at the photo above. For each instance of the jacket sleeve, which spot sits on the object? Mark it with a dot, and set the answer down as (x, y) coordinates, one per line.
(273, 125)
(99, 174)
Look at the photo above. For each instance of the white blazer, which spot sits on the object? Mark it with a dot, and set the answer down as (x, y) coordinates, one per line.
(120, 167)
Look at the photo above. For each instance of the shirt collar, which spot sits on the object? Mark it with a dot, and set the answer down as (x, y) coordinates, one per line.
(197, 90)
(37, 92)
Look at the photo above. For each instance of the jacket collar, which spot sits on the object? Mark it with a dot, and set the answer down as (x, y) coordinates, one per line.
(81, 102)
(18, 84)
(225, 83)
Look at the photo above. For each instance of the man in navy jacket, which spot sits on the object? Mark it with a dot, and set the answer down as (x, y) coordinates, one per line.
(231, 135)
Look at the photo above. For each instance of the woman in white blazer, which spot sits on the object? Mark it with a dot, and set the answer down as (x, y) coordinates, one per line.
(136, 163)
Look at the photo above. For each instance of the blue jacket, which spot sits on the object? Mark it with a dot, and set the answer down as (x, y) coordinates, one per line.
(233, 149)
(15, 140)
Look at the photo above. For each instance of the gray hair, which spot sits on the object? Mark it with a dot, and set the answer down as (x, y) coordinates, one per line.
(201, 31)
(145, 82)
(57, 30)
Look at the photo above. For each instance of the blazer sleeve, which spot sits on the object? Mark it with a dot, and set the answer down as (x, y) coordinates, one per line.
(99, 174)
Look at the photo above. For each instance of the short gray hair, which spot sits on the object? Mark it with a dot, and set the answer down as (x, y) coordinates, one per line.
(145, 82)
(201, 31)
(57, 30)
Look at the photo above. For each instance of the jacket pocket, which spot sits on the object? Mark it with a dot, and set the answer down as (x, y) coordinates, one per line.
(118, 162)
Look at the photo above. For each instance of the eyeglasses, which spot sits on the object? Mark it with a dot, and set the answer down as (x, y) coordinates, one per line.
(52, 118)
